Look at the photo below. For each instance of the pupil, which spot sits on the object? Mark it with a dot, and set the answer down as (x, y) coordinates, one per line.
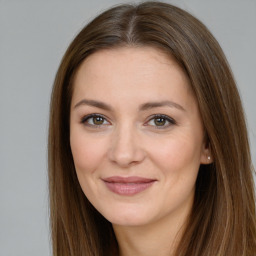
(98, 120)
(159, 121)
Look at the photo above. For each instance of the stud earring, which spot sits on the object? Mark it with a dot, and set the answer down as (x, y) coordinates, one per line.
(209, 158)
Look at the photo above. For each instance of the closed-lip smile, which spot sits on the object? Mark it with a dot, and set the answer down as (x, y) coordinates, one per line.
(128, 186)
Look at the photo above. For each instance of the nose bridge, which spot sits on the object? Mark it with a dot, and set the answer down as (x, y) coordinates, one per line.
(125, 147)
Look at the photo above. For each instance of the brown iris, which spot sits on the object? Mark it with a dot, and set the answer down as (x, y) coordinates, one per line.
(160, 121)
(98, 120)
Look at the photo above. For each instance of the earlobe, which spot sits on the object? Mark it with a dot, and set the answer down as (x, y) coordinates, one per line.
(206, 156)
(209, 159)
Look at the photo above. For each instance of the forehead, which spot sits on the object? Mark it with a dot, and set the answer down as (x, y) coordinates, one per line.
(139, 56)
(130, 70)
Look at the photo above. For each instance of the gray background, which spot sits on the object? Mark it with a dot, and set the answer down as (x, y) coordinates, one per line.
(33, 38)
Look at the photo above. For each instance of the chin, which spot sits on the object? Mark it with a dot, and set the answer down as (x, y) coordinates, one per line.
(128, 220)
(128, 217)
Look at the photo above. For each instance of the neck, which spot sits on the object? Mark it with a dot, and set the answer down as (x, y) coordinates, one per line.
(160, 238)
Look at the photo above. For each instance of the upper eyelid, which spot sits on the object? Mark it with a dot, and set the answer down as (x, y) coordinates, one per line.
(163, 116)
(86, 117)
(170, 119)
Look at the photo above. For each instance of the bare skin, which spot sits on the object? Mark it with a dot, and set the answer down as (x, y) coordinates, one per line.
(137, 141)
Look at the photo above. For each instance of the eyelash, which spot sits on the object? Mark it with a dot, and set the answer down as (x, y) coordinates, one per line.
(86, 118)
(164, 118)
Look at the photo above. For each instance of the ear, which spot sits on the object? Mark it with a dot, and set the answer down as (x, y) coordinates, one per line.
(206, 153)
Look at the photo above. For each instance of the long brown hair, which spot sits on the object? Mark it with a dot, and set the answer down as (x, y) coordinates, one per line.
(223, 219)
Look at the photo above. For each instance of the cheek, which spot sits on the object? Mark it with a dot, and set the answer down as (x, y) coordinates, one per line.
(87, 153)
(177, 154)
(178, 161)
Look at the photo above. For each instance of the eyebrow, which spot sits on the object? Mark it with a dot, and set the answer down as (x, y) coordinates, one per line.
(168, 103)
(94, 103)
(142, 107)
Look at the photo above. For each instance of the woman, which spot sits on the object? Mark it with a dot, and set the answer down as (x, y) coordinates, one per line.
(148, 148)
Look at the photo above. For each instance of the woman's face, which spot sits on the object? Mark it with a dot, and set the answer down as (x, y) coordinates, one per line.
(136, 135)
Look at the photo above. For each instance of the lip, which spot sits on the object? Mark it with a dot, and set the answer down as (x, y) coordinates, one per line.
(128, 186)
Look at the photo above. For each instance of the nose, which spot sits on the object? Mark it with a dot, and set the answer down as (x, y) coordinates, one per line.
(125, 149)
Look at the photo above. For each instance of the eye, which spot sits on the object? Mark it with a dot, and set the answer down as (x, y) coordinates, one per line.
(95, 120)
(161, 121)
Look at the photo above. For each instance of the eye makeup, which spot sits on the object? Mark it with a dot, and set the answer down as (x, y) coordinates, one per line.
(160, 121)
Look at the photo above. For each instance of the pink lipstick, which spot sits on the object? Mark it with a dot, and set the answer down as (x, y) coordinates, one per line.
(128, 186)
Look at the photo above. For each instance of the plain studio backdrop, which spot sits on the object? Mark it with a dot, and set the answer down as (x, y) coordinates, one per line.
(33, 38)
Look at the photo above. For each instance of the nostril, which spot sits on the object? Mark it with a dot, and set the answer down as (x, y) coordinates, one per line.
(126, 155)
